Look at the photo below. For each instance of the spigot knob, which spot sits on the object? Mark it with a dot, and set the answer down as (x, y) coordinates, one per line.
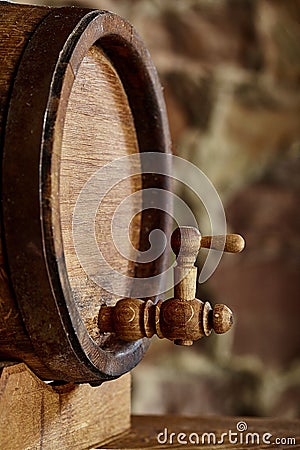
(222, 318)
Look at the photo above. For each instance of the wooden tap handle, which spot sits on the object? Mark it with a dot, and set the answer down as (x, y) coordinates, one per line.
(231, 243)
(187, 241)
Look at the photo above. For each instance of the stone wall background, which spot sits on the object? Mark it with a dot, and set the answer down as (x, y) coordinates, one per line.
(231, 76)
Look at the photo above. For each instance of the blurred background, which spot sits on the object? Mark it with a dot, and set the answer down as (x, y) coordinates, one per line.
(231, 76)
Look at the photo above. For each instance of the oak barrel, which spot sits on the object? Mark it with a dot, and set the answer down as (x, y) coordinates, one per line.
(78, 91)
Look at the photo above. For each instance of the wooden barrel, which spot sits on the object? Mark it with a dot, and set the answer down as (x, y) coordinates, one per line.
(78, 91)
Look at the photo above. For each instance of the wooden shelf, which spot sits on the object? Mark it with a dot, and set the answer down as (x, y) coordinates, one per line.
(36, 415)
(145, 429)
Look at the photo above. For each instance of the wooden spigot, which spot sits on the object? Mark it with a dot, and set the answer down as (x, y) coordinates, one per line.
(184, 318)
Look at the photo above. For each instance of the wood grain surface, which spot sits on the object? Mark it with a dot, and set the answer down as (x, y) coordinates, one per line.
(35, 415)
(145, 429)
(98, 129)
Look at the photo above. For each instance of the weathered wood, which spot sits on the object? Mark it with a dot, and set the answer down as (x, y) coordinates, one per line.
(79, 92)
(145, 429)
(35, 415)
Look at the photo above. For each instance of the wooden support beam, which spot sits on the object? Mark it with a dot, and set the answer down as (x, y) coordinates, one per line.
(36, 415)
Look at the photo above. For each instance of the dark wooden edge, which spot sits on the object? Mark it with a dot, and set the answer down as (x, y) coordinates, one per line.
(14, 342)
(30, 187)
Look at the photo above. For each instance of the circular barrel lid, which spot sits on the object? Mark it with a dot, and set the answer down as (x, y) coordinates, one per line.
(85, 99)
